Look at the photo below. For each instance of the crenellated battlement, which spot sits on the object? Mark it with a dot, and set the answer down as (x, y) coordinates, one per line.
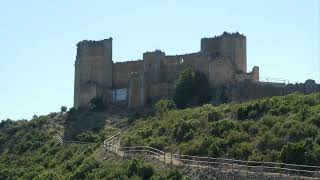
(93, 43)
(231, 45)
(221, 58)
(129, 62)
(89, 48)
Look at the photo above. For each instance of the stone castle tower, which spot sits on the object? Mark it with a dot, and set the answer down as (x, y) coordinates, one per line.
(93, 70)
(232, 46)
(221, 58)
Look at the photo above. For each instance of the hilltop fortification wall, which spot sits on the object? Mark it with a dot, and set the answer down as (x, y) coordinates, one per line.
(121, 72)
(221, 58)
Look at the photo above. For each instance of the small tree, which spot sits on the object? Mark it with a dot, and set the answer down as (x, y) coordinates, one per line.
(192, 88)
(185, 88)
(35, 116)
(63, 109)
(145, 171)
(133, 167)
(163, 106)
(202, 87)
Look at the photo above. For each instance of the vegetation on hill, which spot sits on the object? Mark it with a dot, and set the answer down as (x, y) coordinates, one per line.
(28, 150)
(281, 129)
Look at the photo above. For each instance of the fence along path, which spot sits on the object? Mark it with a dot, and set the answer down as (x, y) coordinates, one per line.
(112, 144)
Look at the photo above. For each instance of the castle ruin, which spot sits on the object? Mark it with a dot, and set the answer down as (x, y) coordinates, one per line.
(222, 59)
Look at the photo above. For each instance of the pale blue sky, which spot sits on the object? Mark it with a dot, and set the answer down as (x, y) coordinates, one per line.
(38, 40)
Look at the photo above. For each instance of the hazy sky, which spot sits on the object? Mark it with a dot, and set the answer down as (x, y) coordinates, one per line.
(38, 40)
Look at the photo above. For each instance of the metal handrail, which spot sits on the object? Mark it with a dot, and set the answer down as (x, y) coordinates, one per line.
(190, 160)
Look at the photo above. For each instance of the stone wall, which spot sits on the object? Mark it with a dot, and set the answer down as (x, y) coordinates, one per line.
(222, 59)
(246, 90)
(153, 66)
(136, 91)
(255, 74)
(232, 45)
(220, 71)
(160, 90)
(122, 70)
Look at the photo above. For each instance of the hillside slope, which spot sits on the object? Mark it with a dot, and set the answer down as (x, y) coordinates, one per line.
(28, 150)
(279, 129)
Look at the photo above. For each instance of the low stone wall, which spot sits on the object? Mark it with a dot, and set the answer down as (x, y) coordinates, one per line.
(247, 90)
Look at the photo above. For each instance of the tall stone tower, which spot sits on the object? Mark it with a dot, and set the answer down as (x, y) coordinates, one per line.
(228, 45)
(93, 70)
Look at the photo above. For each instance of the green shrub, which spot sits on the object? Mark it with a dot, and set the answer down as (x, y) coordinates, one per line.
(89, 136)
(158, 143)
(145, 132)
(86, 167)
(219, 127)
(294, 153)
(315, 119)
(49, 175)
(214, 115)
(183, 130)
(269, 140)
(131, 140)
(174, 175)
(163, 106)
(63, 109)
(236, 136)
(241, 150)
(133, 167)
(3, 139)
(145, 171)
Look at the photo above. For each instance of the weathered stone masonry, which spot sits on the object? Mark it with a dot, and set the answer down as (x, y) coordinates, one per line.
(221, 58)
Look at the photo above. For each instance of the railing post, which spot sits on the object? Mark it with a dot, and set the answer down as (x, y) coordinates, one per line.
(208, 164)
(171, 159)
(232, 164)
(164, 158)
(247, 168)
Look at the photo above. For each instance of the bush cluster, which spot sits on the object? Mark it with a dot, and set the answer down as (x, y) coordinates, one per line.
(282, 129)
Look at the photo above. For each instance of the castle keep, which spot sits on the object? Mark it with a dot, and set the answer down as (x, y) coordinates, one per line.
(222, 59)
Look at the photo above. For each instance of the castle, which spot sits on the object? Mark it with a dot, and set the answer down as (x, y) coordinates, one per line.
(221, 58)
